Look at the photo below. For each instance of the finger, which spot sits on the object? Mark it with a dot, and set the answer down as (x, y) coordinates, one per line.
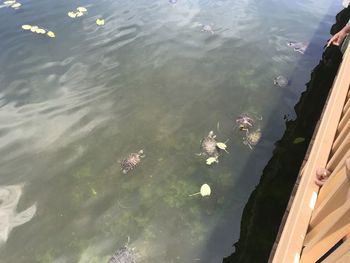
(334, 40)
(329, 43)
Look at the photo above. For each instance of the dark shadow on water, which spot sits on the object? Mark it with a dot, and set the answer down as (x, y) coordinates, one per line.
(263, 213)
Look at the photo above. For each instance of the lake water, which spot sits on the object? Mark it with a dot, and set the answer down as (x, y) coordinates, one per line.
(72, 107)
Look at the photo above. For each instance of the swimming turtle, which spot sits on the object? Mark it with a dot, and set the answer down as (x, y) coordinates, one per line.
(245, 121)
(131, 161)
(280, 81)
(298, 46)
(207, 28)
(124, 255)
(252, 138)
(208, 146)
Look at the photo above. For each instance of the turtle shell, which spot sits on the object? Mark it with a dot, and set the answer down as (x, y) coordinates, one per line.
(253, 137)
(123, 255)
(209, 147)
(130, 162)
(280, 81)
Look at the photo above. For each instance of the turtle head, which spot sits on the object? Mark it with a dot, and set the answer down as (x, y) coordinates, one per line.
(211, 134)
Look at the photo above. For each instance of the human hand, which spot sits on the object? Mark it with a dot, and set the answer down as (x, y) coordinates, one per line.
(337, 39)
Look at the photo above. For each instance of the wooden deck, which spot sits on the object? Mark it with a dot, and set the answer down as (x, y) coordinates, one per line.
(318, 218)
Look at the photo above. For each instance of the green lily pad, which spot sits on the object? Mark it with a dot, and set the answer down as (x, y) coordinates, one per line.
(298, 140)
(212, 160)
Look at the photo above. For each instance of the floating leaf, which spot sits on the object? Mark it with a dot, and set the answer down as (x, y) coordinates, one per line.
(298, 140)
(40, 31)
(34, 28)
(204, 191)
(9, 2)
(51, 34)
(100, 22)
(222, 146)
(93, 191)
(72, 14)
(26, 27)
(79, 14)
(16, 5)
(212, 160)
(82, 9)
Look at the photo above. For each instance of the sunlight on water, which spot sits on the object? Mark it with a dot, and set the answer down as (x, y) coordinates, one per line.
(9, 198)
(158, 76)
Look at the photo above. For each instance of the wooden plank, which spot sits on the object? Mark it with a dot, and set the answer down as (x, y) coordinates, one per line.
(341, 254)
(341, 137)
(344, 120)
(291, 242)
(338, 159)
(326, 234)
(333, 193)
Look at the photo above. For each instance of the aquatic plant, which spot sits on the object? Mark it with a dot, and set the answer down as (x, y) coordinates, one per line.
(212, 160)
(205, 191)
(38, 30)
(100, 22)
(222, 146)
(80, 12)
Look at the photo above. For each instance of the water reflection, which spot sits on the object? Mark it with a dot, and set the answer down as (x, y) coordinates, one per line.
(9, 218)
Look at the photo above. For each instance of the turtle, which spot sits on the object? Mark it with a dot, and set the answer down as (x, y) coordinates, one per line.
(298, 46)
(207, 28)
(252, 138)
(245, 121)
(123, 255)
(208, 146)
(131, 161)
(280, 81)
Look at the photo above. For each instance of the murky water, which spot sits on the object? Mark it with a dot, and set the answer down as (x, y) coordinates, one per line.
(157, 76)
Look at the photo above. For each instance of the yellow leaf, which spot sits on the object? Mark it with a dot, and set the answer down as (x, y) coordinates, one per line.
(100, 22)
(51, 34)
(212, 160)
(79, 14)
(40, 31)
(221, 145)
(16, 5)
(82, 9)
(72, 14)
(34, 28)
(298, 140)
(26, 27)
(205, 190)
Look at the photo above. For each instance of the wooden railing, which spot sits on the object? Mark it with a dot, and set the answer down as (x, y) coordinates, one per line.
(330, 221)
(319, 218)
